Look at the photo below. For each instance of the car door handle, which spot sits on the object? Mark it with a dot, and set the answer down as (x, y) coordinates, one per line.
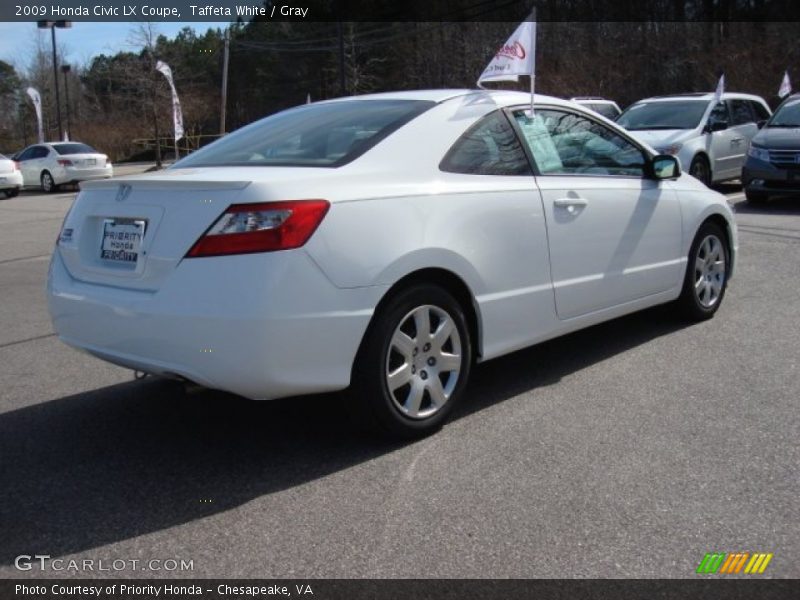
(737, 140)
(571, 204)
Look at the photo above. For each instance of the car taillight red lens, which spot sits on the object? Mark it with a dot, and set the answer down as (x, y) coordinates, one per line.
(248, 228)
(64, 162)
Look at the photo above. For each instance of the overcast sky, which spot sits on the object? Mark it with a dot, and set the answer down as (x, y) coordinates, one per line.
(82, 41)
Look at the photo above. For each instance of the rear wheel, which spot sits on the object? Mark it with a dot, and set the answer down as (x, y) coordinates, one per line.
(699, 169)
(414, 363)
(48, 183)
(10, 193)
(706, 274)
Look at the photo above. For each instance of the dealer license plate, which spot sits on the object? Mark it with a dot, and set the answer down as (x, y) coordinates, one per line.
(122, 240)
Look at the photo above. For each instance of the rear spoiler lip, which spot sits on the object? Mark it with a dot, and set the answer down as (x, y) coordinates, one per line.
(152, 183)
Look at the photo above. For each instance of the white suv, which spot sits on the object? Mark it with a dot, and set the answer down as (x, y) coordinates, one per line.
(709, 139)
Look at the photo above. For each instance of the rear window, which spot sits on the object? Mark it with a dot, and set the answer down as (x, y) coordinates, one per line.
(74, 148)
(314, 135)
(607, 110)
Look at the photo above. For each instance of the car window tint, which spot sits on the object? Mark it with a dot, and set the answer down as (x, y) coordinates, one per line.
(489, 148)
(40, 152)
(324, 134)
(759, 110)
(740, 112)
(719, 113)
(607, 110)
(26, 154)
(74, 148)
(565, 143)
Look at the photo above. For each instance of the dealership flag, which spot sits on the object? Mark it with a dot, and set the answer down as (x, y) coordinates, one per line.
(37, 104)
(720, 89)
(177, 114)
(786, 86)
(516, 57)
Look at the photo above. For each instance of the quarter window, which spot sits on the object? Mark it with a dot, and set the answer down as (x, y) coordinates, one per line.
(489, 148)
(565, 143)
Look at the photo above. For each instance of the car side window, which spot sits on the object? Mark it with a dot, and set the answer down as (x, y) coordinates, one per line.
(740, 112)
(565, 143)
(488, 148)
(27, 154)
(759, 111)
(719, 113)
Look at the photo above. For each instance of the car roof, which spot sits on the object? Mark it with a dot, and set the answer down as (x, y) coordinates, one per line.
(499, 97)
(591, 99)
(703, 96)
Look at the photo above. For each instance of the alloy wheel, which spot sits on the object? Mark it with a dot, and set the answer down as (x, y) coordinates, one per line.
(423, 362)
(709, 271)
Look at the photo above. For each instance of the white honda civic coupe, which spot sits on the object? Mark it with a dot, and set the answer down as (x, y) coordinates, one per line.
(384, 243)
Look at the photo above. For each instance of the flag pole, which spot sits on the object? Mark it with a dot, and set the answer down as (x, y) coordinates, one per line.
(533, 56)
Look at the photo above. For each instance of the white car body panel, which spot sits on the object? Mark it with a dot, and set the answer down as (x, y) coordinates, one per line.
(10, 176)
(284, 323)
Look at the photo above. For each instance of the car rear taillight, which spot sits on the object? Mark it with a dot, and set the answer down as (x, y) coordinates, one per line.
(248, 228)
(16, 166)
(64, 162)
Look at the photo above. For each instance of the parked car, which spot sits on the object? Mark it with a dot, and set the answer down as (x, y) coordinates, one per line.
(384, 242)
(56, 163)
(608, 108)
(10, 177)
(773, 159)
(710, 139)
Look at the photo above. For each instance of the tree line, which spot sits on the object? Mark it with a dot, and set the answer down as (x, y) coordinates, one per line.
(117, 101)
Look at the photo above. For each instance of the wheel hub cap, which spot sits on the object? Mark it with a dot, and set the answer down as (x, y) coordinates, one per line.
(709, 271)
(423, 362)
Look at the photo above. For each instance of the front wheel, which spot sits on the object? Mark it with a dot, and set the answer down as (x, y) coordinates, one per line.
(706, 276)
(755, 197)
(699, 169)
(414, 363)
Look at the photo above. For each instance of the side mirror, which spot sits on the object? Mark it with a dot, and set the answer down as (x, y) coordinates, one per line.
(761, 123)
(665, 166)
(716, 126)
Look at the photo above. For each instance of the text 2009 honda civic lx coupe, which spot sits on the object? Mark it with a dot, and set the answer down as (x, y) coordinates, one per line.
(384, 242)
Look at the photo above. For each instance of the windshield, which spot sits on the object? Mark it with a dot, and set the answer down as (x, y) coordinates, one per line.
(681, 114)
(74, 148)
(787, 115)
(313, 135)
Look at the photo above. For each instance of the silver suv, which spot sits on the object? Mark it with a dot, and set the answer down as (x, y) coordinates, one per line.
(709, 139)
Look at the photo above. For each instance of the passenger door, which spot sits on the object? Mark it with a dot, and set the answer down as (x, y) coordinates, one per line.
(25, 160)
(723, 145)
(614, 235)
(744, 128)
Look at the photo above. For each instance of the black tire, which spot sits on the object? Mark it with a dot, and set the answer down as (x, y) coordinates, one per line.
(755, 197)
(10, 193)
(700, 169)
(48, 183)
(379, 408)
(698, 301)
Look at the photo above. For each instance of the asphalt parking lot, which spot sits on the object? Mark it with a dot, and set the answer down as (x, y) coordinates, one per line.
(627, 450)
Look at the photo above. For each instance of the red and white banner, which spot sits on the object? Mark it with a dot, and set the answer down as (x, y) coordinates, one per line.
(515, 58)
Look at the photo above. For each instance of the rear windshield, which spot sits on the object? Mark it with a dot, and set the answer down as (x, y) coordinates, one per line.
(313, 135)
(74, 148)
(678, 114)
(607, 110)
(787, 115)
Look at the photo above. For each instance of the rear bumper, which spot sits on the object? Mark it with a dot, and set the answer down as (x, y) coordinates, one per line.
(237, 324)
(71, 175)
(764, 178)
(10, 180)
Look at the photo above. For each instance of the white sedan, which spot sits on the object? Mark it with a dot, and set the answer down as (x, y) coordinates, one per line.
(10, 177)
(57, 163)
(384, 243)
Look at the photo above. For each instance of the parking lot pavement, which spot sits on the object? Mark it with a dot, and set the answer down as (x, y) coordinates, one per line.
(627, 450)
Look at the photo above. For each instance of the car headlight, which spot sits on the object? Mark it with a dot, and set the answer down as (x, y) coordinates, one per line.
(758, 153)
(672, 149)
